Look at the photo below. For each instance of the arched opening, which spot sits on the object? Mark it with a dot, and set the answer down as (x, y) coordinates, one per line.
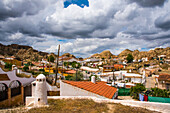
(3, 91)
(15, 88)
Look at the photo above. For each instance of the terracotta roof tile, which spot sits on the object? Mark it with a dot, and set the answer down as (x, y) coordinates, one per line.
(71, 71)
(164, 77)
(100, 88)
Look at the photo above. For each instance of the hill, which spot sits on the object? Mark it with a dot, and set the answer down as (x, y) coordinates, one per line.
(105, 54)
(140, 54)
(22, 52)
(68, 55)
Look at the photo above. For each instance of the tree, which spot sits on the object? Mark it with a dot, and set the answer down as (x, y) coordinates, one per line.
(156, 92)
(25, 68)
(51, 58)
(8, 65)
(74, 65)
(79, 76)
(129, 58)
(135, 90)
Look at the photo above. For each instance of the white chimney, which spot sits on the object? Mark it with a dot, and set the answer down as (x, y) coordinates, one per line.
(144, 73)
(93, 79)
(40, 91)
(113, 83)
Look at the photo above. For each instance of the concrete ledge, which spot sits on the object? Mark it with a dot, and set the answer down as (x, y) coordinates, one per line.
(160, 107)
(29, 100)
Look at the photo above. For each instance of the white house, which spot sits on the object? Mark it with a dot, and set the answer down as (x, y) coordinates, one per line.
(87, 88)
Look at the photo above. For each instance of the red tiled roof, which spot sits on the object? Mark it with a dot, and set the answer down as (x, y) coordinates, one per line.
(71, 71)
(100, 88)
(164, 77)
(118, 65)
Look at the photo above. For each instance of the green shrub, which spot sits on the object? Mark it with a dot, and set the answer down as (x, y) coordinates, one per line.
(135, 90)
(25, 68)
(8, 66)
(42, 70)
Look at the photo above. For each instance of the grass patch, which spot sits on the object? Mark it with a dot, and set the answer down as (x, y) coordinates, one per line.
(119, 108)
(22, 75)
(80, 106)
(70, 106)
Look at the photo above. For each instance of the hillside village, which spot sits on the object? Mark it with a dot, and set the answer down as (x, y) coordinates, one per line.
(142, 76)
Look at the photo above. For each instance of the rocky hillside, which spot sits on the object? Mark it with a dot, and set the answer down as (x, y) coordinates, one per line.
(22, 52)
(152, 53)
(105, 54)
(68, 55)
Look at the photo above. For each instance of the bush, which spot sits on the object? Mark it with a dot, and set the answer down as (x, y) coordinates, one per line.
(41, 70)
(68, 77)
(45, 73)
(51, 58)
(156, 92)
(129, 58)
(135, 90)
(25, 68)
(8, 66)
(79, 77)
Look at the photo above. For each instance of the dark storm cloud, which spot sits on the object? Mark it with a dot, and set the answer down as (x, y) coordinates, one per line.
(17, 8)
(123, 24)
(149, 3)
(163, 22)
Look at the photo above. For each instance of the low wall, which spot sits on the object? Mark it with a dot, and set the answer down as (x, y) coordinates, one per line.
(15, 101)
(53, 93)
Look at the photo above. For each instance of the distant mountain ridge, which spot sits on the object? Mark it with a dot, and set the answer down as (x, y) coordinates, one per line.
(22, 52)
(136, 53)
(105, 54)
(140, 54)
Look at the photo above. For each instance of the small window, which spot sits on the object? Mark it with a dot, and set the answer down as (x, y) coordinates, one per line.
(34, 84)
(40, 80)
(38, 99)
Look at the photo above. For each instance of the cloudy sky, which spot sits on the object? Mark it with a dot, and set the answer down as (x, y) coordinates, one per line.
(85, 27)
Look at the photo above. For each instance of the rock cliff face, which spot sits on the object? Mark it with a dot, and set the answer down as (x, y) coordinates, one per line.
(136, 53)
(68, 55)
(105, 54)
(22, 52)
(152, 53)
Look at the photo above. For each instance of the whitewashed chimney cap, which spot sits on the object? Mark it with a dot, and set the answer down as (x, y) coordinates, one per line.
(41, 76)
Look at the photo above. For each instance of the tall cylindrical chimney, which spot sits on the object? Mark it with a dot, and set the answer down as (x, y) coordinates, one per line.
(93, 79)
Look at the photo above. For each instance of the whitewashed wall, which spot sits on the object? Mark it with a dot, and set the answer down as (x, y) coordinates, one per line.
(69, 90)
(136, 80)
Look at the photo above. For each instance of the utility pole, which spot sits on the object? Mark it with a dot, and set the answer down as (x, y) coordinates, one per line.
(49, 65)
(113, 75)
(57, 64)
(62, 66)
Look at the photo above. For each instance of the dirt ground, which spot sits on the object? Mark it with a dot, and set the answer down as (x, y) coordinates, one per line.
(79, 106)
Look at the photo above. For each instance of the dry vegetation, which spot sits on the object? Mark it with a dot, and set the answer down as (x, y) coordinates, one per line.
(22, 75)
(81, 106)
